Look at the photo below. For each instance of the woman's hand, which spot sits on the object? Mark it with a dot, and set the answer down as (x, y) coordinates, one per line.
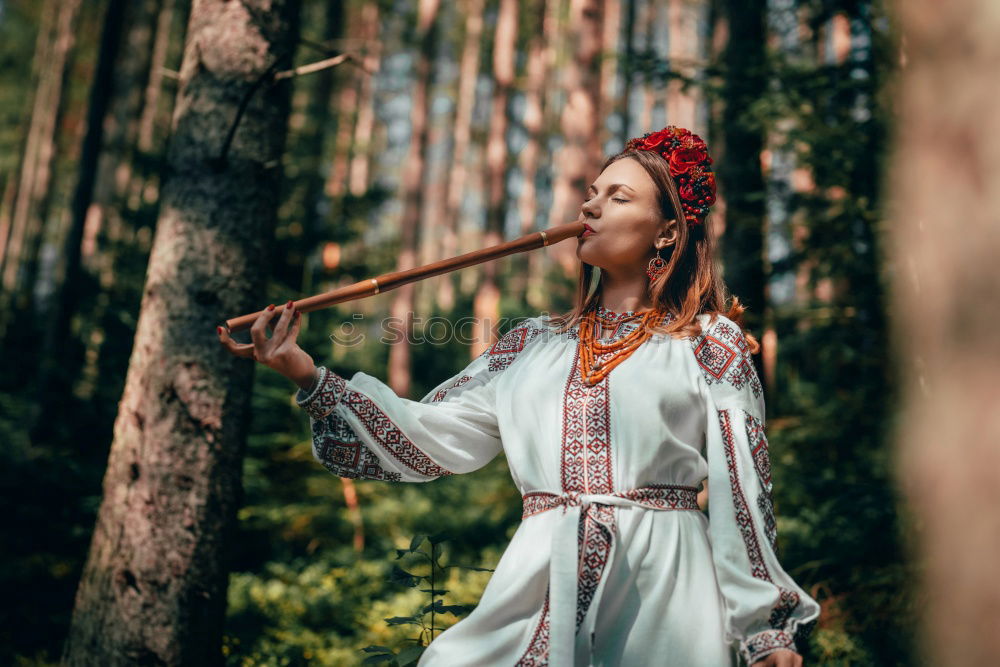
(280, 351)
(780, 658)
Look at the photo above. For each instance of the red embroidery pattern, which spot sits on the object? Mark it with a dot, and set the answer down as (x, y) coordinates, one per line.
(758, 447)
(439, 396)
(503, 352)
(767, 642)
(586, 434)
(655, 496)
(325, 396)
(537, 653)
(339, 450)
(595, 532)
(388, 435)
(762, 463)
(534, 502)
(335, 443)
(665, 496)
(724, 356)
(787, 600)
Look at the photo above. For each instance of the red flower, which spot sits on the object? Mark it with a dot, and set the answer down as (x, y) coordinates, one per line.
(653, 141)
(682, 159)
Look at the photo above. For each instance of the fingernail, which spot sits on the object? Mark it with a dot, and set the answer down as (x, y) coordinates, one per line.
(297, 313)
(271, 307)
(289, 304)
(218, 330)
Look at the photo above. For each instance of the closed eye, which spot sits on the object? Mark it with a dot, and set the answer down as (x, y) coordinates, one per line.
(620, 201)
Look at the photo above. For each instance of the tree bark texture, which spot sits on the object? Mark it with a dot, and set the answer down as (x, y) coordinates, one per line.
(153, 590)
(944, 242)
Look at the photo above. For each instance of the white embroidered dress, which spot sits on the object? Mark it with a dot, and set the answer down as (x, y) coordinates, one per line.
(613, 563)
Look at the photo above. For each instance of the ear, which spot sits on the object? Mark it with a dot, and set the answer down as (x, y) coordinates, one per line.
(667, 235)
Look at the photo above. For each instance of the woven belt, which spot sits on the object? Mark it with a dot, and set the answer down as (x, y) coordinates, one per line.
(564, 560)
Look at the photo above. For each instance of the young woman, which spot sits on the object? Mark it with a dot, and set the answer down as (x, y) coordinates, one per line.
(610, 416)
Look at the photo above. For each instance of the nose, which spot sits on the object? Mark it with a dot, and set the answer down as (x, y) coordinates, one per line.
(589, 209)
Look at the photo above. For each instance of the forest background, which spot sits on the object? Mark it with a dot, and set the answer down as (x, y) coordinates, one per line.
(448, 127)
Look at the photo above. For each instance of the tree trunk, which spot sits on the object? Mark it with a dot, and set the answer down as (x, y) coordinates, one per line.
(579, 159)
(945, 241)
(525, 282)
(345, 100)
(610, 62)
(628, 72)
(739, 157)
(317, 121)
(686, 54)
(102, 179)
(487, 301)
(6, 202)
(31, 201)
(151, 105)
(414, 173)
(363, 129)
(468, 74)
(116, 107)
(651, 20)
(153, 590)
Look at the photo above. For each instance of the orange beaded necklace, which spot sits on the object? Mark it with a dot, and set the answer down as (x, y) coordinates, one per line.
(593, 370)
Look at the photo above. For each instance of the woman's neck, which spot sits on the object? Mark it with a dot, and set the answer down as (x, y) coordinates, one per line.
(624, 294)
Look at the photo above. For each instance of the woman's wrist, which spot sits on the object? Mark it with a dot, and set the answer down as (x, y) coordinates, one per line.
(308, 381)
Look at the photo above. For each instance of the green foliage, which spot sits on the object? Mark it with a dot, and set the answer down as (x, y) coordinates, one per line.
(410, 652)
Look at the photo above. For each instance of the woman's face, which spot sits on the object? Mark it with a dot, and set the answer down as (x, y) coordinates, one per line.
(622, 208)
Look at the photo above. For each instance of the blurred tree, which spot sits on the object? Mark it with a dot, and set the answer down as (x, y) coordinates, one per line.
(486, 305)
(739, 155)
(371, 50)
(465, 98)
(526, 283)
(103, 176)
(154, 83)
(153, 588)
(425, 33)
(56, 38)
(579, 158)
(944, 241)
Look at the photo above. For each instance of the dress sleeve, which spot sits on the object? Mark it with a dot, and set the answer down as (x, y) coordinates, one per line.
(362, 429)
(765, 609)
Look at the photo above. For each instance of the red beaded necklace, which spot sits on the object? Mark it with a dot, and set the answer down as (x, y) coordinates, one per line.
(593, 370)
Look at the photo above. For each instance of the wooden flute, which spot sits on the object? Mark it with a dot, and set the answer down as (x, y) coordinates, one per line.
(392, 280)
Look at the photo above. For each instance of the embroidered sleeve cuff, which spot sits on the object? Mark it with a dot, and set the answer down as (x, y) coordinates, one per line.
(325, 395)
(756, 647)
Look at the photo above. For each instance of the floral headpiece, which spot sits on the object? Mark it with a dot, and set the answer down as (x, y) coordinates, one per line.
(689, 164)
